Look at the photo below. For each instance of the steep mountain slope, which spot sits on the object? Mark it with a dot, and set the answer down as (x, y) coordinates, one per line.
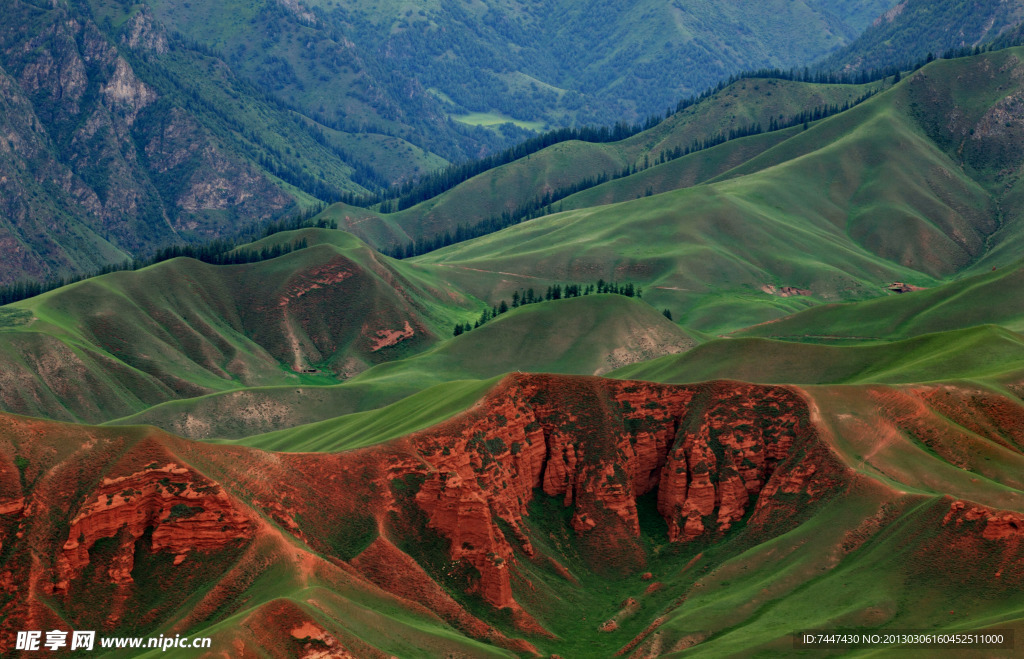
(297, 56)
(550, 62)
(123, 138)
(913, 28)
(576, 516)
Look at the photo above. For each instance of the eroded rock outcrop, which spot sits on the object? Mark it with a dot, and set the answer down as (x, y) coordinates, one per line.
(540, 465)
(187, 513)
(998, 525)
(597, 444)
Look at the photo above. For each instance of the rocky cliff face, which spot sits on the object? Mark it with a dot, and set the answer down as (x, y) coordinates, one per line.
(100, 162)
(442, 514)
(708, 450)
(185, 512)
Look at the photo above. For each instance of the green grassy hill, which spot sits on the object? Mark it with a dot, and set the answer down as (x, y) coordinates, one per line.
(963, 330)
(584, 336)
(183, 328)
(966, 329)
(862, 199)
(991, 298)
(421, 410)
(769, 226)
(587, 335)
(513, 186)
(911, 140)
(983, 352)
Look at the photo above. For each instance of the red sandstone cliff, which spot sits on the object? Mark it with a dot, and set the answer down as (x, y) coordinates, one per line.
(187, 512)
(598, 445)
(443, 509)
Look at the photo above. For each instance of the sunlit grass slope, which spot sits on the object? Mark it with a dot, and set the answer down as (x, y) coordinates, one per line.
(859, 200)
(996, 297)
(980, 352)
(510, 186)
(969, 328)
(421, 410)
(253, 410)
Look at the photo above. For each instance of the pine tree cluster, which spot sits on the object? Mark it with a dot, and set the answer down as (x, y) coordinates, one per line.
(521, 298)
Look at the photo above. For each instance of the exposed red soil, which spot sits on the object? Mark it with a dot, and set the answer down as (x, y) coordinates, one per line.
(900, 287)
(446, 509)
(388, 337)
(333, 272)
(785, 291)
(999, 525)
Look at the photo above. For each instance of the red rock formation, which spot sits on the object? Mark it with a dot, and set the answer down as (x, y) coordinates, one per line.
(717, 455)
(596, 444)
(999, 525)
(333, 272)
(599, 444)
(12, 505)
(740, 437)
(189, 513)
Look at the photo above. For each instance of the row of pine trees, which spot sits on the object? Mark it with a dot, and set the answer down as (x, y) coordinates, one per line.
(521, 298)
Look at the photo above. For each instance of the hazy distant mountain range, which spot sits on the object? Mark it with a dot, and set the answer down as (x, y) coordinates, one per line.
(130, 126)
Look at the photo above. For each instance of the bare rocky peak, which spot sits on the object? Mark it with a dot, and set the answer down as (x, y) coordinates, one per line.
(143, 34)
